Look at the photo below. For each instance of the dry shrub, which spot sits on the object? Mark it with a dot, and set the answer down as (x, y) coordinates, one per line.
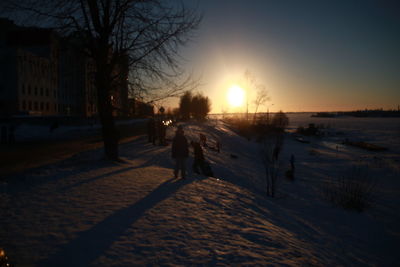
(355, 190)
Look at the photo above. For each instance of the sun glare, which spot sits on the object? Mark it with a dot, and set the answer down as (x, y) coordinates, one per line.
(235, 96)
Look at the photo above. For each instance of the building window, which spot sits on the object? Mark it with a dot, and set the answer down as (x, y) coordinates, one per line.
(47, 92)
(55, 107)
(41, 106)
(29, 89)
(30, 105)
(23, 105)
(41, 91)
(35, 106)
(35, 91)
(47, 106)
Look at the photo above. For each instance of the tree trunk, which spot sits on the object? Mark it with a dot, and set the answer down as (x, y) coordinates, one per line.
(105, 108)
(109, 131)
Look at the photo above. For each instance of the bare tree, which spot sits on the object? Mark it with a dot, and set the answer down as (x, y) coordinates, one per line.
(262, 93)
(261, 98)
(272, 145)
(141, 35)
(250, 79)
(270, 151)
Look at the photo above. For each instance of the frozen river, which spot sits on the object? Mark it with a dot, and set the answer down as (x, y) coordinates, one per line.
(380, 131)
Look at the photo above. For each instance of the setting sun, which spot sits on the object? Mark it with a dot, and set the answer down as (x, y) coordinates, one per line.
(235, 96)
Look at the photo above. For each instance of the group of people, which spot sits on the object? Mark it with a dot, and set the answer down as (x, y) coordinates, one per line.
(156, 130)
(180, 152)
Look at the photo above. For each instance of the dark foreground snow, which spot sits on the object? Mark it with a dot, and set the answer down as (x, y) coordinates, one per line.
(87, 211)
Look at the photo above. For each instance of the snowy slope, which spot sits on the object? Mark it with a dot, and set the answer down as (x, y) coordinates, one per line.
(87, 211)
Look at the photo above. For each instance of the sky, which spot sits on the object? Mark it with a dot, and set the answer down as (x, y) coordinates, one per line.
(309, 55)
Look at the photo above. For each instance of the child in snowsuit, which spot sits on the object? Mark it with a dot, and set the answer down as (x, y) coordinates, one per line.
(199, 161)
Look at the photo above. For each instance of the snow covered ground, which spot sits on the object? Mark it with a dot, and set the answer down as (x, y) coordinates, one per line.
(87, 211)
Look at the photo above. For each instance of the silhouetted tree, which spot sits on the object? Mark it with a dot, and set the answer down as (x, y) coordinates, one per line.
(184, 105)
(271, 147)
(272, 144)
(200, 106)
(144, 34)
(261, 98)
(262, 93)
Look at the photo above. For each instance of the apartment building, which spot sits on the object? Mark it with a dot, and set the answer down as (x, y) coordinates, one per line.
(29, 71)
(43, 74)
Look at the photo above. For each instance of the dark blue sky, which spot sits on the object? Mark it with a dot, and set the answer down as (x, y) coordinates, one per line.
(311, 55)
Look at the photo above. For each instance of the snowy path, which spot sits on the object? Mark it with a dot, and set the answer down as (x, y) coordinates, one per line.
(86, 211)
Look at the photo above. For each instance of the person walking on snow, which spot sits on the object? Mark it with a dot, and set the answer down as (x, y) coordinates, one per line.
(180, 152)
(151, 130)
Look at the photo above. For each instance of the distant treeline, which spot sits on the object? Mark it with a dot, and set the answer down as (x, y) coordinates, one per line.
(360, 113)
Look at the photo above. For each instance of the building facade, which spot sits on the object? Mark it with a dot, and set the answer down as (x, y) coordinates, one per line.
(77, 88)
(42, 74)
(29, 71)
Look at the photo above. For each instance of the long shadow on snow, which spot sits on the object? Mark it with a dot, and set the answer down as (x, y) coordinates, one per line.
(104, 175)
(37, 176)
(92, 243)
(30, 178)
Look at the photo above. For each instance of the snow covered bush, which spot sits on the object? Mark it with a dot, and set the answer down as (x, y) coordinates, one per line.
(355, 190)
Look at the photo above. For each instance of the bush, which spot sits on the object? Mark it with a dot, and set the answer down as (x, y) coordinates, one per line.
(200, 106)
(311, 130)
(354, 191)
(197, 106)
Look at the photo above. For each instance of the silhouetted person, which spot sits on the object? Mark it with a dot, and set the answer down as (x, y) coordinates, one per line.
(198, 161)
(151, 130)
(290, 172)
(180, 152)
(161, 131)
(292, 162)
